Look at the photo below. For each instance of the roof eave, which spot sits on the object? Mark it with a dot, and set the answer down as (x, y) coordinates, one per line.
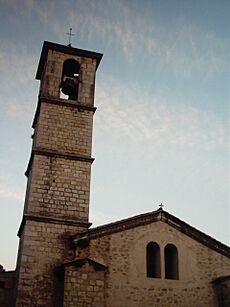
(150, 217)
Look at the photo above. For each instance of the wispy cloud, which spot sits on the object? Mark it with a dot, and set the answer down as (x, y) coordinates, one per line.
(186, 50)
(21, 9)
(21, 110)
(11, 193)
(17, 63)
(17, 69)
(192, 51)
(128, 111)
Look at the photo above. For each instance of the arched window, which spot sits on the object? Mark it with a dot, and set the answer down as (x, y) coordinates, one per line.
(171, 262)
(70, 79)
(153, 260)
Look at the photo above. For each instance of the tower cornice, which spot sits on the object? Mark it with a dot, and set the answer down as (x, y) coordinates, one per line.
(61, 102)
(52, 220)
(58, 154)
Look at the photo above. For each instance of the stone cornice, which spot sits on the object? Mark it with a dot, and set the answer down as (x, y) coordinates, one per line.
(151, 217)
(80, 262)
(80, 106)
(58, 154)
(50, 220)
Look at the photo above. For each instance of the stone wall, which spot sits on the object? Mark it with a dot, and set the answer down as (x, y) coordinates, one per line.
(7, 280)
(126, 282)
(84, 286)
(59, 188)
(64, 128)
(45, 246)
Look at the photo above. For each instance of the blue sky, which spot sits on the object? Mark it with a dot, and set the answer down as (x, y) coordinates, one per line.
(161, 128)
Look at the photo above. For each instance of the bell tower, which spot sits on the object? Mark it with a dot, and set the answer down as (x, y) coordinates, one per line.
(58, 188)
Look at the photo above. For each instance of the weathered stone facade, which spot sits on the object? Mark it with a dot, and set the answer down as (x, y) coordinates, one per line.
(57, 198)
(121, 247)
(153, 259)
(84, 284)
(46, 245)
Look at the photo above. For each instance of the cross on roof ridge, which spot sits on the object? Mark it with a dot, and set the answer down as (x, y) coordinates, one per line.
(70, 34)
(161, 206)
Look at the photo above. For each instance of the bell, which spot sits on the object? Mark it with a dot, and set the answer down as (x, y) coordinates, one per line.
(68, 87)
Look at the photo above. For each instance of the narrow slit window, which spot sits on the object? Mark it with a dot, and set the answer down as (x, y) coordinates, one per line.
(153, 260)
(171, 262)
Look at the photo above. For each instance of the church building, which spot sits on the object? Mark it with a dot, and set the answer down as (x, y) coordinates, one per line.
(149, 260)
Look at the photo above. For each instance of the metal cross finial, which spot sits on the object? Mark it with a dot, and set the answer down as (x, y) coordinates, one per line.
(70, 34)
(161, 206)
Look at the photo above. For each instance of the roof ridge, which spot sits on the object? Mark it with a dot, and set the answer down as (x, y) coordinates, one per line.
(150, 217)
